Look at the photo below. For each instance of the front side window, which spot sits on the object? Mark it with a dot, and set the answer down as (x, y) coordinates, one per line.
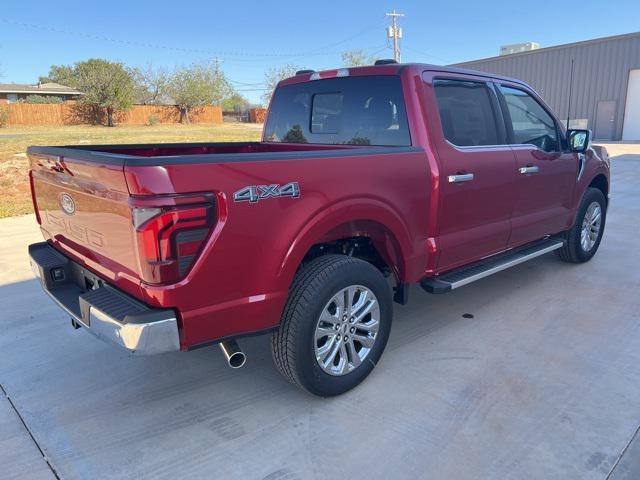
(466, 113)
(366, 110)
(530, 122)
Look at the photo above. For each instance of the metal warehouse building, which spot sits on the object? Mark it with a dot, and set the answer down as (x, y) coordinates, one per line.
(606, 82)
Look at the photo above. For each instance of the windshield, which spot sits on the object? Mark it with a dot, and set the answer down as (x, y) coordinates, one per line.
(351, 110)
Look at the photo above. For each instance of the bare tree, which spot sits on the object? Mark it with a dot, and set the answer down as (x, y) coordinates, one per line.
(151, 84)
(196, 86)
(274, 75)
(356, 58)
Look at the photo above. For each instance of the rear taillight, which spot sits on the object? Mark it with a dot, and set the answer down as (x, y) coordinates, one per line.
(170, 234)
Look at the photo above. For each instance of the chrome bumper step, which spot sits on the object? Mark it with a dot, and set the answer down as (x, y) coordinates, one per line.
(101, 309)
(465, 275)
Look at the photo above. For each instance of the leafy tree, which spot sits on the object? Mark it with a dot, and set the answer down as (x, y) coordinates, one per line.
(42, 99)
(106, 85)
(236, 103)
(222, 88)
(150, 85)
(62, 74)
(356, 58)
(197, 85)
(274, 75)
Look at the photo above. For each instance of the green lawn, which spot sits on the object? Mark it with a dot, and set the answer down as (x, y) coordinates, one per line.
(15, 140)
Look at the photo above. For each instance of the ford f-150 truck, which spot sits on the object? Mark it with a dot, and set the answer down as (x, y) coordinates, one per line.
(366, 180)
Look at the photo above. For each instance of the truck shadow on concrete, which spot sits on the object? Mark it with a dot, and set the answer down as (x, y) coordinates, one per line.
(97, 410)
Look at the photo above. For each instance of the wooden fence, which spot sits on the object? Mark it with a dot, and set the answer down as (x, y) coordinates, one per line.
(71, 113)
(257, 115)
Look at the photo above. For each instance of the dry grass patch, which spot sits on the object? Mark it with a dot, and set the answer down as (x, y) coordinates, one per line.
(15, 140)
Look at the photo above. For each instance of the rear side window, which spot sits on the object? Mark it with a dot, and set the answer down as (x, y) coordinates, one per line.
(351, 110)
(530, 122)
(466, 113)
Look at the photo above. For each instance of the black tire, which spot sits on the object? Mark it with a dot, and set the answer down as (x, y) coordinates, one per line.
(572, 251)
(292, 345)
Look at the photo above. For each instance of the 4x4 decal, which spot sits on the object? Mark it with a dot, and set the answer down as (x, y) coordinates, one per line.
(253, 193)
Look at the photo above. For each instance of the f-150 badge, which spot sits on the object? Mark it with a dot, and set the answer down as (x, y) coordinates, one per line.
(253, 193)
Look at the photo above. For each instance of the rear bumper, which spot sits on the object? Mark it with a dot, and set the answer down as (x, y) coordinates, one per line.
(109, 314)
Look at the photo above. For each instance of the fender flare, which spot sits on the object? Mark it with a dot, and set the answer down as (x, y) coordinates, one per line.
(599, 171)
(345, 212)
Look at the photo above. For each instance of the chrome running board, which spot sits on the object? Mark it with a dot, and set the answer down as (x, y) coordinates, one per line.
(468, 274)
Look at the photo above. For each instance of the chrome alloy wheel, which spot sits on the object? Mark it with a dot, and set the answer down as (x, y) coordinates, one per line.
(591, 225)
(347, 330)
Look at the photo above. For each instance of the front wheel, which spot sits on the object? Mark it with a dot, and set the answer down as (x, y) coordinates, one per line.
(335, 325)
(583, 240)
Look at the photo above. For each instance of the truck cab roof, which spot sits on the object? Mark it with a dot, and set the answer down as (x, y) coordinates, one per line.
(389, 69)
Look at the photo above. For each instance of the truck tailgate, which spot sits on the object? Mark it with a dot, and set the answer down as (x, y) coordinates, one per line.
(83, 209)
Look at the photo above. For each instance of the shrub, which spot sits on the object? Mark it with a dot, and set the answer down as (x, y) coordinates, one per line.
(42, 99)
(152, 120)
(4, 117)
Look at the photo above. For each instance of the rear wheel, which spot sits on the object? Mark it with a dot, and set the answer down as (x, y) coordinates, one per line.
(583, 240)
(335, 325)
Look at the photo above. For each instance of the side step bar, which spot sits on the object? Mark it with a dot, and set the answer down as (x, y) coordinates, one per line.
(464, 275)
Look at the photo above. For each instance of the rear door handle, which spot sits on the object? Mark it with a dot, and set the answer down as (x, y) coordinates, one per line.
(461, 177)
(529, 169)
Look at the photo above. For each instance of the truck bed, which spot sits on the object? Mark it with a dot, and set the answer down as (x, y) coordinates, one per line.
(102, 186)
(178, 153)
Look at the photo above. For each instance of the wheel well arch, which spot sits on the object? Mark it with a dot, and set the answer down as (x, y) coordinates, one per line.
(366, 239)
(600, 182)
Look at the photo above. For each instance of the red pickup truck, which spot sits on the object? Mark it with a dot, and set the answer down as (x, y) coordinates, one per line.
(366, 180)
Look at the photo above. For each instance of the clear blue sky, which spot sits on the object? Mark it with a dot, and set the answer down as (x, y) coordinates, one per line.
(249, 37)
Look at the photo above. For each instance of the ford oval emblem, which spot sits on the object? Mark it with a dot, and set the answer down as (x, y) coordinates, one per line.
(67, 204)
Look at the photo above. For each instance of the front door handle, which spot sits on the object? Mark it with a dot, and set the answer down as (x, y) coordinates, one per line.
(460, 177)
(529, 169)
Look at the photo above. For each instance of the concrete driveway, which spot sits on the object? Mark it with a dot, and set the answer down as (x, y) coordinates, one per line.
(542, 382)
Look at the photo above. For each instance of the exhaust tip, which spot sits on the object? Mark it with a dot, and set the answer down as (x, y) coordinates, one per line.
(231, 351)
(237, 360)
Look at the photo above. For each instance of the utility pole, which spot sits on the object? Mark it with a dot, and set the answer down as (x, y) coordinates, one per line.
(395, 33)
(216, 64)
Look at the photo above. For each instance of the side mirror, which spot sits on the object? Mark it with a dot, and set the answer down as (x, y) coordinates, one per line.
(578, 140)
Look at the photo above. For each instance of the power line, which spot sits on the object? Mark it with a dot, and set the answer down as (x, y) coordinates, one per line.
(360, 33)
(371, 51)
(379, 50)
(246, 84)
(318, 52)
(426, 54)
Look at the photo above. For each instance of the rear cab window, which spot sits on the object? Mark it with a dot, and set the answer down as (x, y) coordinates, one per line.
(365, 110)
(467, 113)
